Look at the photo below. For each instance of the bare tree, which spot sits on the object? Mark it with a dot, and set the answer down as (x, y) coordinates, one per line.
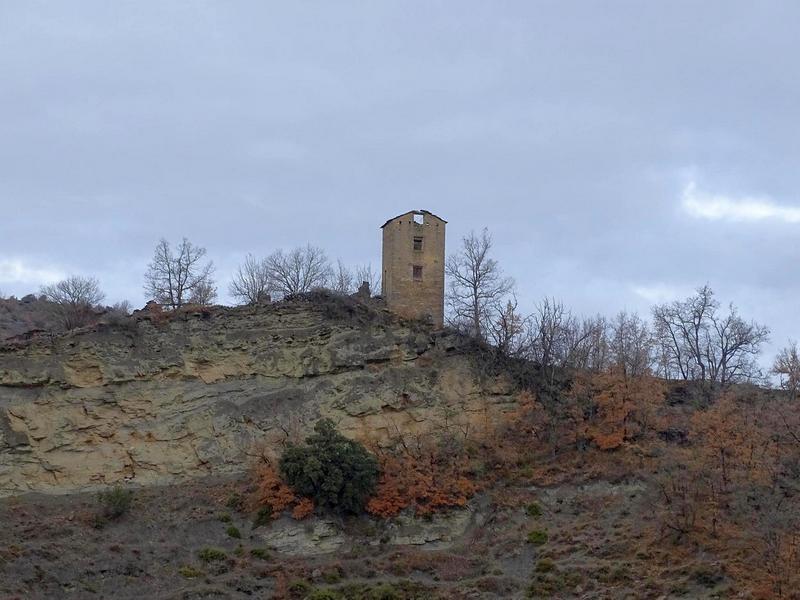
(204, 293)
(701, 344)
(558, 339)
(549, 326)
(123, 307)
(682, 326)
(298, 271)
(477, 286)
(341, 279)
(117, 314)
(509, 330)
(664, 354)
(787, 368)
(75, 299)
(585, 344)
(631, 345)
(251, 282)
(734, 347)
(175, 278)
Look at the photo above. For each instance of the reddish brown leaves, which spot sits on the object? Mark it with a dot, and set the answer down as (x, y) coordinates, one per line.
(271, 491)
(611, 409)
(424, 485)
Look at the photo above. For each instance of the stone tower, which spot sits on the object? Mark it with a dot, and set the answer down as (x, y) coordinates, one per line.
(413, 265)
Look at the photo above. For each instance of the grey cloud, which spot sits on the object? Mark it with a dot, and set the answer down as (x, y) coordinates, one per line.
(569, 129)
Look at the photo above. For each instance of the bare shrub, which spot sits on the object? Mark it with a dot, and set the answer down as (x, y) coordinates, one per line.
(787, 368)
(701, 343)
(75, 300)
(342, 280)
(298, 271)
(631, 345)
(478, 288)
(251, 282)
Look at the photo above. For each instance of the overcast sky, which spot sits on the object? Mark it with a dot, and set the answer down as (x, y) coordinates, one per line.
(621, 153)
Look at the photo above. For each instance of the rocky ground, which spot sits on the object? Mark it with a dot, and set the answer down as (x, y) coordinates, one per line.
(191, 541)
(20, 316)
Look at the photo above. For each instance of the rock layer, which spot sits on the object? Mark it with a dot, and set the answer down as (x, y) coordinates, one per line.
(154, 399)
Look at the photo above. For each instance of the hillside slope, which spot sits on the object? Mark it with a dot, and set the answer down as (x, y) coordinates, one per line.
(498, 479)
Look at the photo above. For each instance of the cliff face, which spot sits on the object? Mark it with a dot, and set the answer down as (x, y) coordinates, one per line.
(157, 400)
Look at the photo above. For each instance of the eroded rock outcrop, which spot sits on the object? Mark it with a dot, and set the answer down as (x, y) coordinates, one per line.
(156, 400)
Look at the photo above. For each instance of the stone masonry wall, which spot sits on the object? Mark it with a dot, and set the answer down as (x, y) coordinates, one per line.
(405, 295)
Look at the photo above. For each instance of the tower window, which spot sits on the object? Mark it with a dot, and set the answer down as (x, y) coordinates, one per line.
(418, 244)
(417, 273)
(418, 219)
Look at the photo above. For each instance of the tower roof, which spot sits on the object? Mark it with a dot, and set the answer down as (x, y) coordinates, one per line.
(416, 212)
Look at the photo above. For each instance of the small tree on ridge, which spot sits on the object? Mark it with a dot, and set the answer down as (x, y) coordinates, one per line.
(74, 298)
(176, 278)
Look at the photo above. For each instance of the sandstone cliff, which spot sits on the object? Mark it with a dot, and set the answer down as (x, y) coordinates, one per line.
(156, 400)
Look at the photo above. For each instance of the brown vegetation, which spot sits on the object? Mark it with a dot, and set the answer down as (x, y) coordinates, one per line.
(723, 478)
(423, 483)
(272, 493)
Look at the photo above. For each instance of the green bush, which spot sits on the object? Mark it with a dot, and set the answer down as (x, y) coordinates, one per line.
(384, 592)
(115, 502)
(550, 582)
(190, 572)
(234, 532)
(333, 576)
(533, 510)
(399, 590)
(545, 566)
(537, 537)
(299, 589)
(263, 516)
(235, 501)
(261, 553)
(337, 473)
(546, 585)
(211, 554)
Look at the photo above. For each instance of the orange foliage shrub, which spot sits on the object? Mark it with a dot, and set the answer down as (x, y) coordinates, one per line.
(303, 508)
(273, 492)
(426, 486)
(611, 409)
(531, 424)
(529, 418)
(728, 489)
(736, 445)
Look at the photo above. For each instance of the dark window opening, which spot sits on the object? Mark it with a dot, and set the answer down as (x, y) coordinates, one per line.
(417, 273)
(418, 244)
